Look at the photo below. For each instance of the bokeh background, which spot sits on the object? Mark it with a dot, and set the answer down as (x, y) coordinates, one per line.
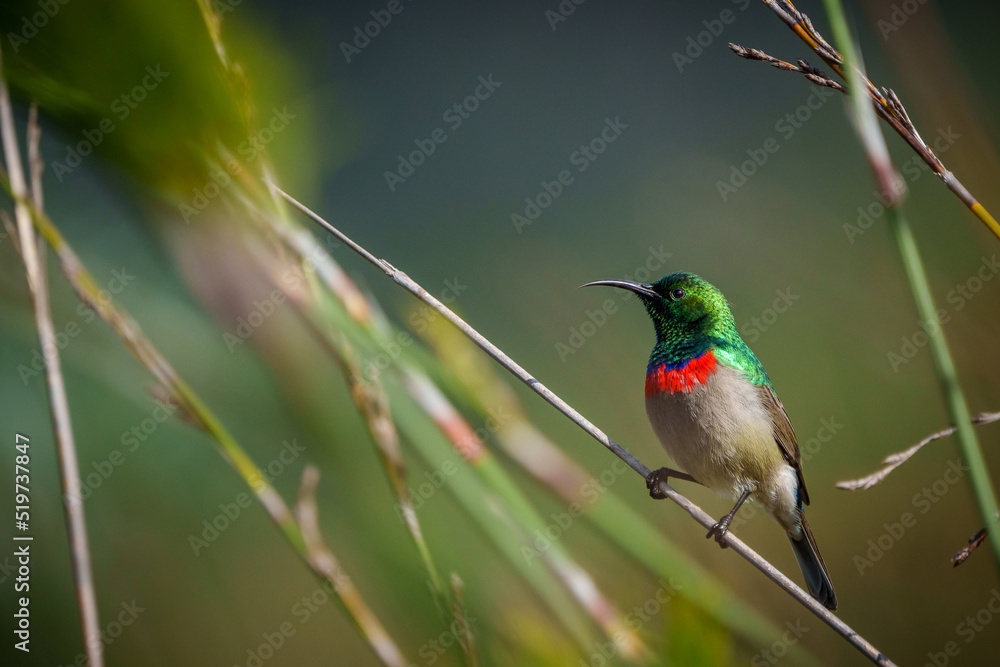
(823, 304)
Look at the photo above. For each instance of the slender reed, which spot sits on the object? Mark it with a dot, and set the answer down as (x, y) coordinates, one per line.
(884, 101)
(897, 459)
(696, 512)
(69, 471)
(304, 539)
(916, 276)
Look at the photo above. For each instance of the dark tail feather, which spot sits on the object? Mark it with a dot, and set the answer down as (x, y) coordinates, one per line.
(813, 569)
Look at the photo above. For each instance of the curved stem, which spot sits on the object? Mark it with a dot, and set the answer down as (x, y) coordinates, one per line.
(69, 469)
(562, 406)
(958, 410)
(916, 276)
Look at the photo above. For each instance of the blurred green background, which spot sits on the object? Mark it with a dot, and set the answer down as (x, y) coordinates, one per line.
(822, 306)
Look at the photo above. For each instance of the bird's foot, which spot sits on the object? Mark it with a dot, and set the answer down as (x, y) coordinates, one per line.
(653, 481)
(721, 527)
(662, 476)
(719, 530)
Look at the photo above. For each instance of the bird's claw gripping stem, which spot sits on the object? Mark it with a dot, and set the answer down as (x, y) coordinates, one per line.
(721, 527)
(663, 475)
(719, 530)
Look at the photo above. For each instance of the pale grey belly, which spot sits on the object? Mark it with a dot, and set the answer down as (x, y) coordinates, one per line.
(721, 434)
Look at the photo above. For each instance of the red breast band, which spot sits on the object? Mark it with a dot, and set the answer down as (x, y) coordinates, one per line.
(672, 379)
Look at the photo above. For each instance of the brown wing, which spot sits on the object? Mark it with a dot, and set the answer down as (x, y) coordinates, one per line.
(784, 435)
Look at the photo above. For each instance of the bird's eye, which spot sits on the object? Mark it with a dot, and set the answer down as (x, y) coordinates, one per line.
(677, 293)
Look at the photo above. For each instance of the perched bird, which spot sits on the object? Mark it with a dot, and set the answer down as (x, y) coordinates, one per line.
(714, 410)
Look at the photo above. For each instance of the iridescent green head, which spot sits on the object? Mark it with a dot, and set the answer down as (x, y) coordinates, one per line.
(690, 315)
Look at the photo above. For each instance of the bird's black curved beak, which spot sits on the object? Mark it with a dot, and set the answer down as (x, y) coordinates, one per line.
(641, 289)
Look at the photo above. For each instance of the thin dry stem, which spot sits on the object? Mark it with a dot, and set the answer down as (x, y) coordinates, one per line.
(322, 560)
(577, 580)
(885, 102)
(814, 74)
(10, 231)
(668, 491)
(69, 475)
(874, 145)
(893, 461)
(367, 395)
(380, 423)
(372, 403)
(974, 543)
(370, 399)
(194, 411)
(463, 624)
(35, 163)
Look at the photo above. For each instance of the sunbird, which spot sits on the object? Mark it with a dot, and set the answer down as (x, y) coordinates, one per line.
(712, 406)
